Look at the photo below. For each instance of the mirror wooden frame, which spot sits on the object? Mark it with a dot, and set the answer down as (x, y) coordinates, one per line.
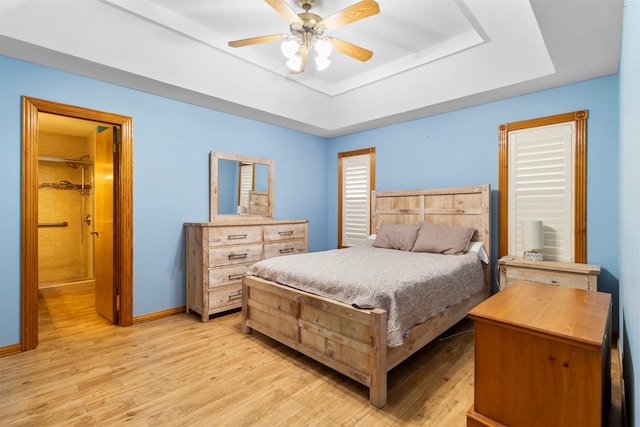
(213, 187)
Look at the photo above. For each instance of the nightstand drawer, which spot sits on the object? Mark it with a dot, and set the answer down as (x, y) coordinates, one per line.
(568, 280)
(566, 274)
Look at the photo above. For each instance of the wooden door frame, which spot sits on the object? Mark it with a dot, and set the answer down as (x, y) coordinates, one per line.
(123, 205)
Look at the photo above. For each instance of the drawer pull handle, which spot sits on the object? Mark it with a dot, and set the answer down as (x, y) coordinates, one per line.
(286, 250)
(236, 296)
(236, 236)
(238, 256)
(235, 276)
(285, 233)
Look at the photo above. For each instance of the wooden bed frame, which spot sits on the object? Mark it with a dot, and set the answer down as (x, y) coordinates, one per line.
(353, 341)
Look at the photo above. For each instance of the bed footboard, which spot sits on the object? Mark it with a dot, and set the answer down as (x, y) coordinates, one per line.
(350, 341)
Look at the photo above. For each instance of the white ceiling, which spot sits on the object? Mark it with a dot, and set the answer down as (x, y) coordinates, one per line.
(430, 56)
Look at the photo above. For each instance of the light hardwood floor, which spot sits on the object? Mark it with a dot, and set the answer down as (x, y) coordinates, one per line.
(179, 371)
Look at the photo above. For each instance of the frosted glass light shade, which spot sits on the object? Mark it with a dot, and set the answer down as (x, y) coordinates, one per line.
(289, 48)
(323, 48)
(295, 63)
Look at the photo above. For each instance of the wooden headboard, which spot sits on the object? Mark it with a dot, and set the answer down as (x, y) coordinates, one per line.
(463, 206)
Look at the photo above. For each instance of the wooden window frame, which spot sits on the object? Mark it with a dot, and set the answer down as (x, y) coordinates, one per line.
(579, 179)
(371, 151)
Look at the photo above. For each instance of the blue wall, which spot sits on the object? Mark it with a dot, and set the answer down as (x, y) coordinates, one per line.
(172, 141)
(629, 230)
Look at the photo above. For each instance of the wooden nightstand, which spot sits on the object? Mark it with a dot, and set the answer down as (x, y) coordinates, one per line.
(566, 274)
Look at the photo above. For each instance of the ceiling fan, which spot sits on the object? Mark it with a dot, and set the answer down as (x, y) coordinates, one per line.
(308, 31)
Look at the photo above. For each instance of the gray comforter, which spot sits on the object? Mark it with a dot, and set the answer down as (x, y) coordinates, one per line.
(412, 287)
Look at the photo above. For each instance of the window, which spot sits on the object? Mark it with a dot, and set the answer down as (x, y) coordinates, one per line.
(541, 187)
(542, 176)
(356, 180)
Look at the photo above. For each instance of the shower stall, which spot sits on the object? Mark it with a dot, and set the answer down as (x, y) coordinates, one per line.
(66, 252)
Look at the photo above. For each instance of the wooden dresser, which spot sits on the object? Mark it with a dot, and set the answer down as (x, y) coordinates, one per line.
(567, 274)
(219, 253)
(542, 357)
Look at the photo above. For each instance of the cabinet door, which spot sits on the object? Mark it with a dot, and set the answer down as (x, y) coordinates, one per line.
(528, 379)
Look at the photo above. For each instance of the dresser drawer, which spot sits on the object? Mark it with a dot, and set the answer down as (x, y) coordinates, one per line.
(277, 232)
(234, 235)
(225, 296)
(284, 248)
(568, 280)
(226, 275)
(235, 254)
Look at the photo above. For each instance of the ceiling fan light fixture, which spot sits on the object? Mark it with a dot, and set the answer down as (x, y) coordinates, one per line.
(307, 32)
(289, 48)
(323, 48)
(295, 63)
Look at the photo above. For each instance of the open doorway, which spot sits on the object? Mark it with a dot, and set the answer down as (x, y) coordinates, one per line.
(75, 207)
(103, 255)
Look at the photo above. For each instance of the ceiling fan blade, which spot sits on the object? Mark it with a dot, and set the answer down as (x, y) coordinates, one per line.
(350, 49)
(255, 40)
(353, 13)
(304, 54)
(284, 10)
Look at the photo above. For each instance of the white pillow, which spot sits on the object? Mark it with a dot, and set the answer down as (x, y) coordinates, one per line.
(479, 248)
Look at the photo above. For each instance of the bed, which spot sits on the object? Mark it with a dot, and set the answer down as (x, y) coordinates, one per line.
(355, 341)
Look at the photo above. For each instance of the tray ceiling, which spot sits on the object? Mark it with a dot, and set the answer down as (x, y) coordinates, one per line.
(429, 56)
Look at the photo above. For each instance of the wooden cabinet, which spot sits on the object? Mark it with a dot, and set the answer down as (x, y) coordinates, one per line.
(542, 357)
(219, 253)
(567, 274)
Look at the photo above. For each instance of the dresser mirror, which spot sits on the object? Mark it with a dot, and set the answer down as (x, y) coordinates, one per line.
(241, 187)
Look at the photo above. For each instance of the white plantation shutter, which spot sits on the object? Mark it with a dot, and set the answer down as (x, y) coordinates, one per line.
(246, 184)
(356, 179)
(541, 187)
